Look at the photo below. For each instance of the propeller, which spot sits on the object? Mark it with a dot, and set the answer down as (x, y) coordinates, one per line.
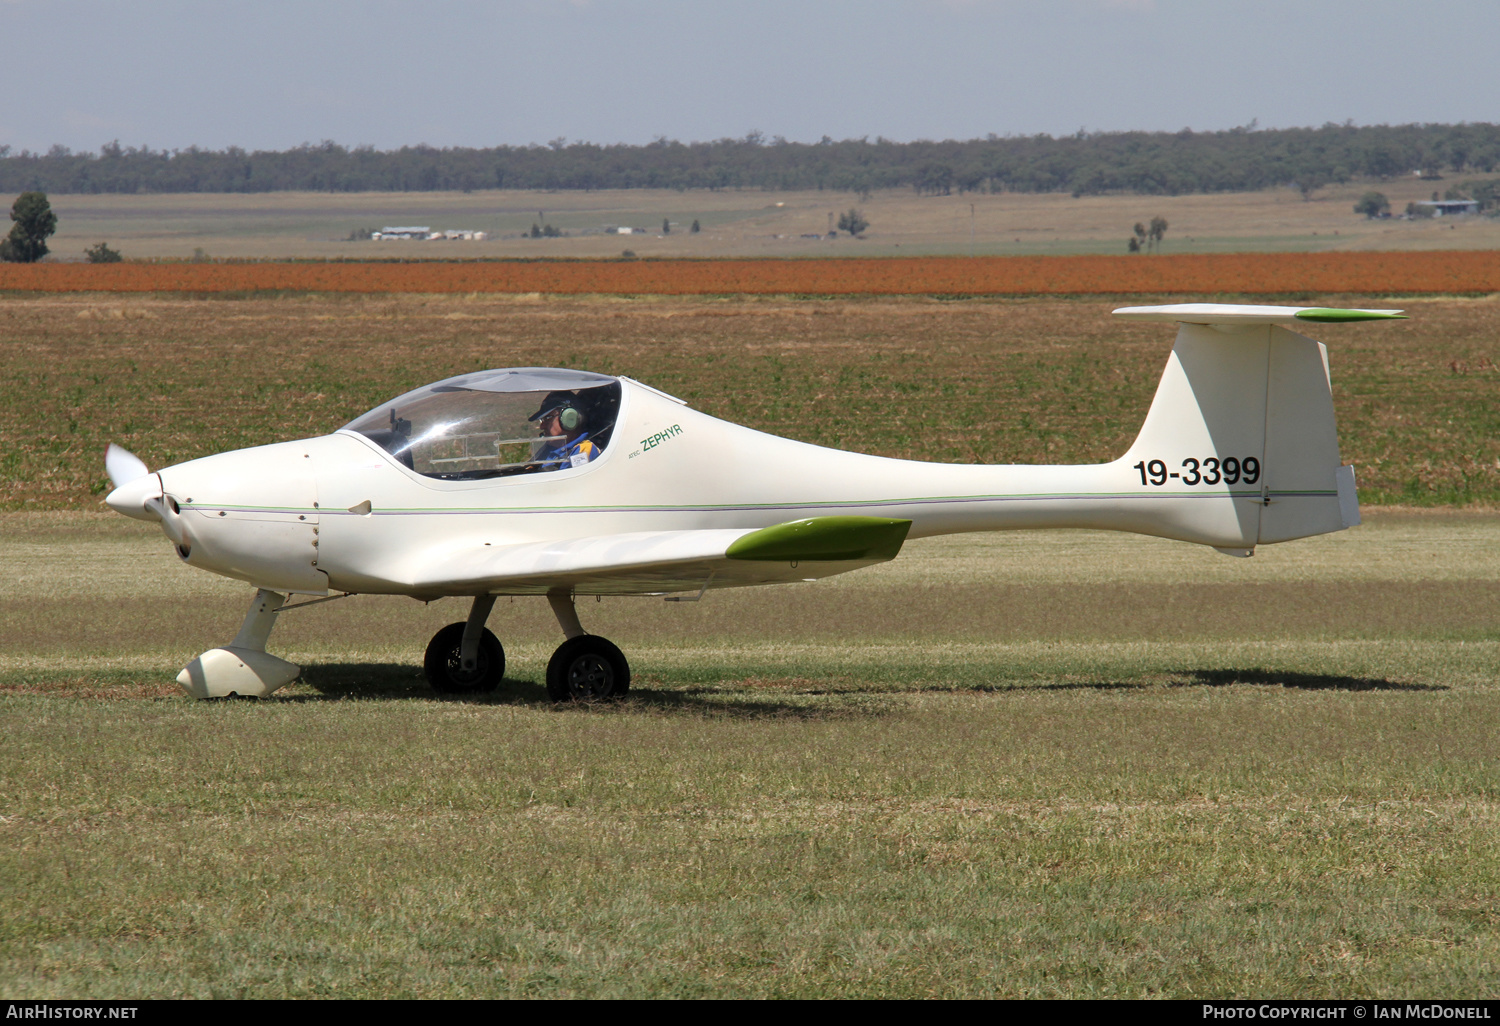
(138, 494)
(137, 491)
(123, 466)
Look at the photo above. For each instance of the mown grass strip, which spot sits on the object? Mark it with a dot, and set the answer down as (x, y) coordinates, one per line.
(1293, 796)
(1069, 843)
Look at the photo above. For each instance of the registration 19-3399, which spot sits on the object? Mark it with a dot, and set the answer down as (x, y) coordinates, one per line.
(1210, 471)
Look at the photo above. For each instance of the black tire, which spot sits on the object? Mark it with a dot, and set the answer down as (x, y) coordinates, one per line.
(446, 675)
(587, 669)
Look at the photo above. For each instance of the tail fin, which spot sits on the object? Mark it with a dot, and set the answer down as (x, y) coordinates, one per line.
(1244, 415)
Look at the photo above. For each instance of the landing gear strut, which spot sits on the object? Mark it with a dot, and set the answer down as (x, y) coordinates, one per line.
(466, 658)
(242, 668)
(585, 667)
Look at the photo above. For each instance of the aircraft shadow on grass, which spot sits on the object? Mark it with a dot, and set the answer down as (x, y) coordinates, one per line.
(1223, 678)
(1301, 681)
(396, 682)
(399, 682)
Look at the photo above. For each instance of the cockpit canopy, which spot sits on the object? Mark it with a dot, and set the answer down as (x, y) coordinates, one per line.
(495, 423)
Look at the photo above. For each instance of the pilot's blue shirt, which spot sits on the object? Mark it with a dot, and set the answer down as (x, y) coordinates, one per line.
(569, 454)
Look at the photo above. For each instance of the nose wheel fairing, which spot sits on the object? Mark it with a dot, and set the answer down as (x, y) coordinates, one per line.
(243, 668)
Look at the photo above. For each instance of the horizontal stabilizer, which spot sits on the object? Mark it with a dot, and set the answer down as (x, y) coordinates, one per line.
(1232, 313)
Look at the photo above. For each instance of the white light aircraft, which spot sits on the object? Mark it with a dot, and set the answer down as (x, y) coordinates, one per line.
(536, 481)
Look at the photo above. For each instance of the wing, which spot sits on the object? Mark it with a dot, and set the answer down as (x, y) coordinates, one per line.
(656, 562)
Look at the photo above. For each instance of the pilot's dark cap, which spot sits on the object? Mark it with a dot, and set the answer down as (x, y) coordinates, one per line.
(553, 401)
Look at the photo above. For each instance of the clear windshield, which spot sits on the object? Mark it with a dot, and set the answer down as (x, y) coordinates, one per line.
(498, 422)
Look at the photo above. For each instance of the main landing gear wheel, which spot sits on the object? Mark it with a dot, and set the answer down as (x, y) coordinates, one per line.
(444, 663)
(587, 668)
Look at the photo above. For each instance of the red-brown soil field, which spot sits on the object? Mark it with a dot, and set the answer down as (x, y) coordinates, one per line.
(1245, 273)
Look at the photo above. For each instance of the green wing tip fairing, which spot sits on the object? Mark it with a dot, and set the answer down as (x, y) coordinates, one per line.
(824, 539)
(1333, 315)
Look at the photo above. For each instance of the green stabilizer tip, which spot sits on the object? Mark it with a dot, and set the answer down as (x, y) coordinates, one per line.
(1332, 315)
(826, 539)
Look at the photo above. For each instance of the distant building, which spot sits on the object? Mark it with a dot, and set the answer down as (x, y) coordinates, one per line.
(426, 233)
(1448, 208)
(403, 233)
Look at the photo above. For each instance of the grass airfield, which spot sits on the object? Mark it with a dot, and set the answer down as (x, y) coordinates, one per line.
(1063, 764)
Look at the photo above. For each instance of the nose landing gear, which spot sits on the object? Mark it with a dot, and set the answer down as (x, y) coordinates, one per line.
(242, 668)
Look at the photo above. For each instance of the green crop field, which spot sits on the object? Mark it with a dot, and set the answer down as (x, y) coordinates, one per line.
(1032, 764)
(1031, 381)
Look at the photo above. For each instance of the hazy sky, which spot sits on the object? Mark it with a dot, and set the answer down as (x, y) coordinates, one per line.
(270, 74)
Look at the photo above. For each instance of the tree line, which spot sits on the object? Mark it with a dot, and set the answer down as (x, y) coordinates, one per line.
(1152, 163)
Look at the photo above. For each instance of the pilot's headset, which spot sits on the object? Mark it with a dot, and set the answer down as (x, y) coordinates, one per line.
(569, 417)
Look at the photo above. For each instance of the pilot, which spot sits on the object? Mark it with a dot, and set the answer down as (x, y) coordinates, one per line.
(563, 421)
